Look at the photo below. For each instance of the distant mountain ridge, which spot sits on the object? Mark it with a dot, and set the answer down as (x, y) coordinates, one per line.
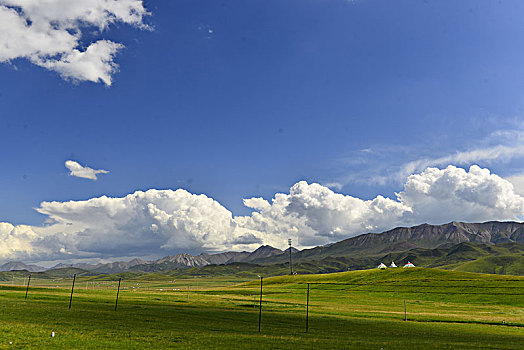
(17, 265)
(187, 260)
(183, 260)
(369, 245)
(112, 267)
(422, 236)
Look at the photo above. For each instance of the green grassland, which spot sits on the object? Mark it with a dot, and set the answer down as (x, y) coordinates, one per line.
(357, 309)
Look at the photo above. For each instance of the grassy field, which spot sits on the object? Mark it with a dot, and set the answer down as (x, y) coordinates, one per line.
(359, 309)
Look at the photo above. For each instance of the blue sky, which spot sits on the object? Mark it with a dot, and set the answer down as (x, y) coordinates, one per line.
(241, 99)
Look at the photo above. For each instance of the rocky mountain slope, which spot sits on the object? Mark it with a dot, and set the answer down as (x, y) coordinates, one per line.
(422, 236)
(187, 260)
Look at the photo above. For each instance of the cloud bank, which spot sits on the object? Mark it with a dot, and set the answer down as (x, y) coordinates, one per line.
(49, 33)
(167, 221)
(77, 170)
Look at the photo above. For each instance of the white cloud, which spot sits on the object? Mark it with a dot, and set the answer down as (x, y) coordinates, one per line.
(390, 164)
(166, 221)
(314, 214)
(16, 240)
(257, 203)
(438, 195)
(140, 223)
(487, 154)
(85, 172)
(48, 33)
(518, 183)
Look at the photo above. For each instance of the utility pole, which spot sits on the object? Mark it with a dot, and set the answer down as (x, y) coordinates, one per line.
(307, 309)
(72, 289)
(290, 263)
(118, 292)
(27, 289)
(260, 306)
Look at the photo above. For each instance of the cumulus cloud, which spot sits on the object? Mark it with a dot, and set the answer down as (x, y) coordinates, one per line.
(436, 195)
(167, 221)
(48, 33)
(314, 214)
(16, 240)
(487, 154)
(518, 183)
(140, 223)
(77, 170)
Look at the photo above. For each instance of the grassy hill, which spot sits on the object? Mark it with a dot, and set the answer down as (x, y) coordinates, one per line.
(348, 310)
(67, 272)
(504, 265)
(413, 277)
(465, 254)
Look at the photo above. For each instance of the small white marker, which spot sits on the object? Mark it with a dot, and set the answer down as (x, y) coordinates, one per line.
(52, 334)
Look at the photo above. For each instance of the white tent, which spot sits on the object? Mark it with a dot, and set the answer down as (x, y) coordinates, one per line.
(409, 264)
(382, 266)
(392, 264)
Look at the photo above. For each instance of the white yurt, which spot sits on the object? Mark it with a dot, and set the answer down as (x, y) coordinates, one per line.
(382, 266)
(409, 264)
(392, 264)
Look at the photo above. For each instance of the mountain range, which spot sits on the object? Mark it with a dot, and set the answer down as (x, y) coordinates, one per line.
(422, 236)
(18, 265)
(426, 245)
